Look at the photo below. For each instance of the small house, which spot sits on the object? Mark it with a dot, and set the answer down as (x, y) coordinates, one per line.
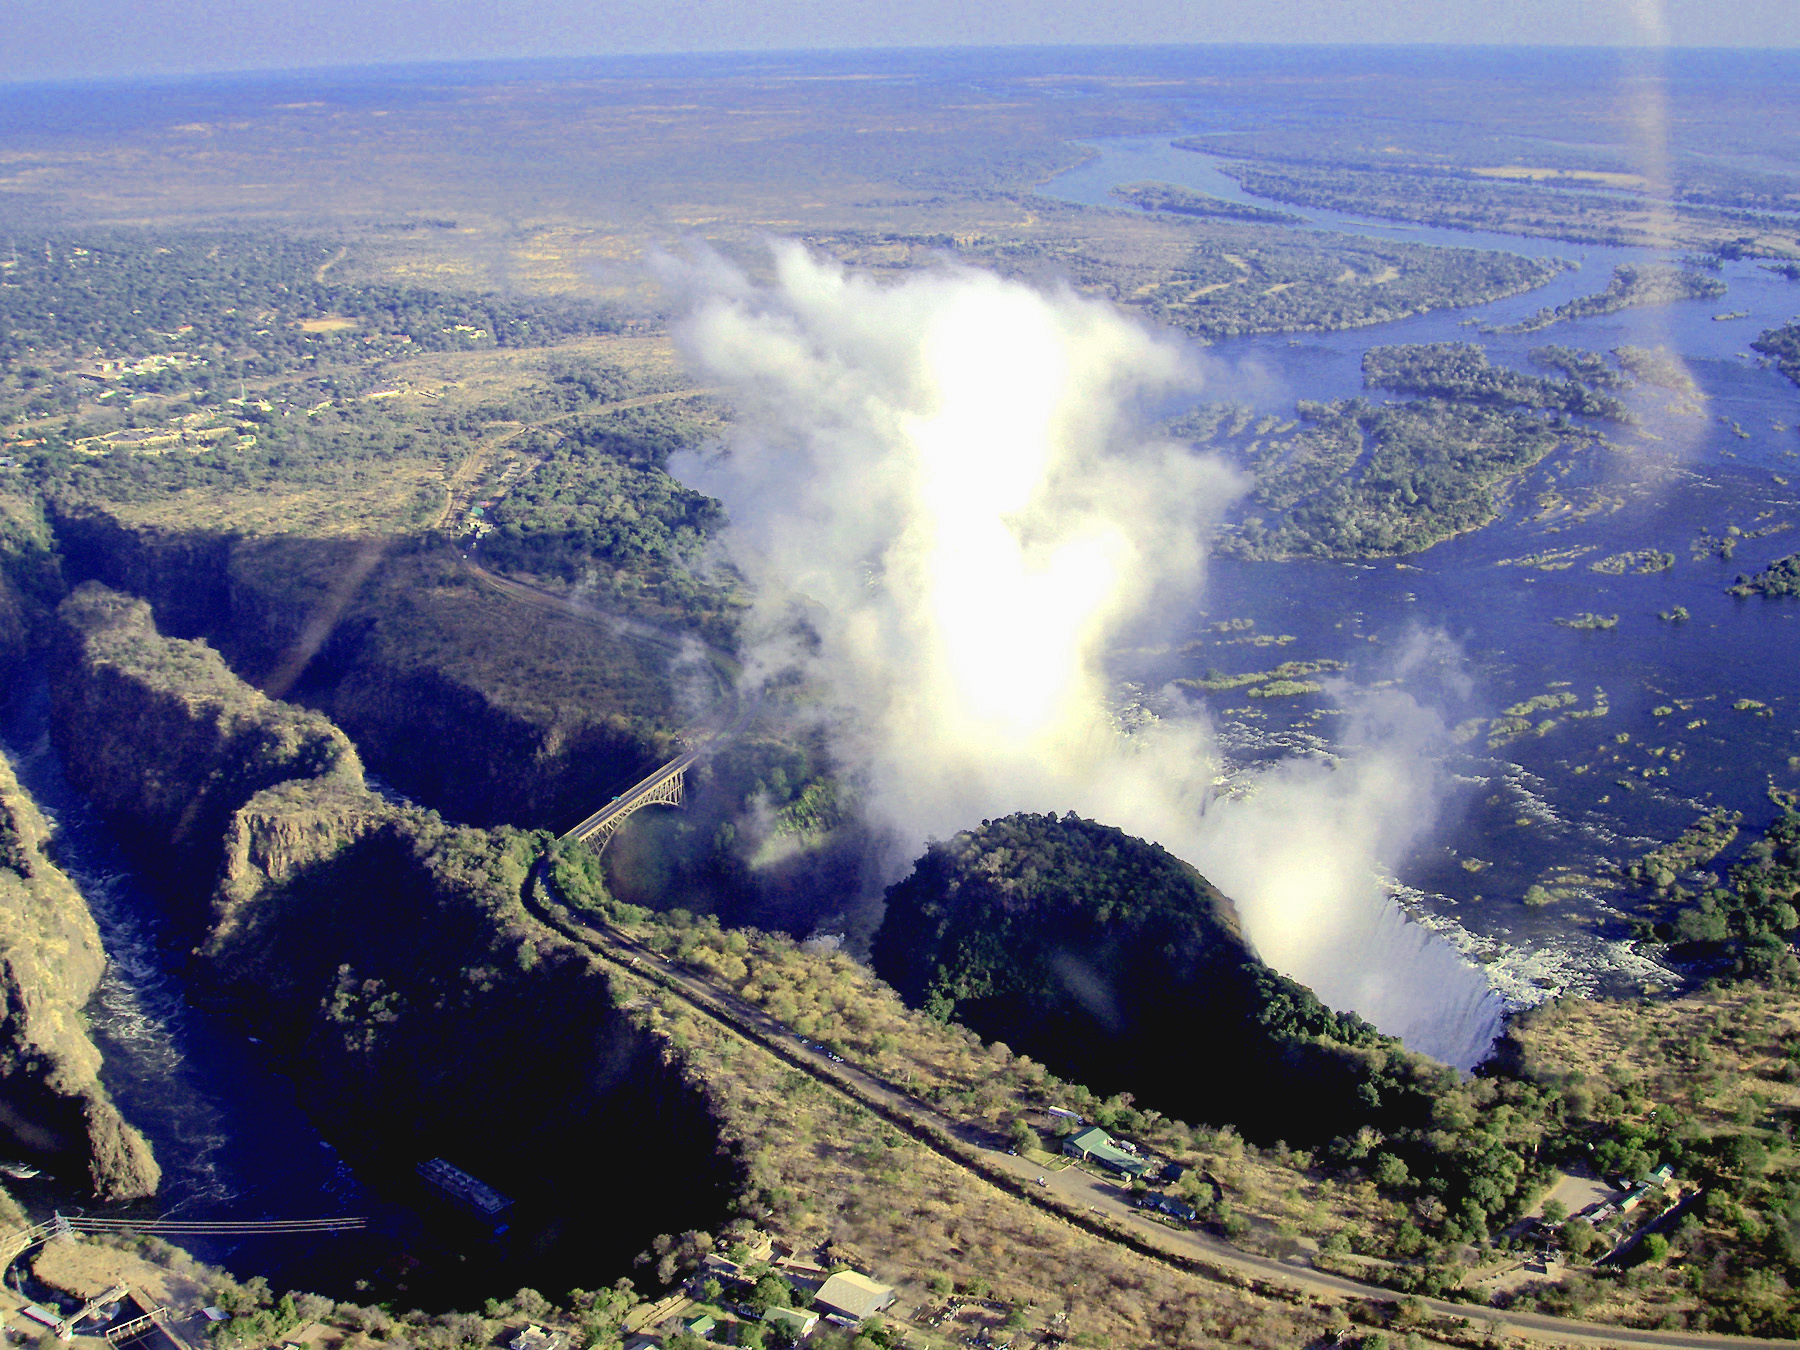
(796, 1323)
(1096, 1145)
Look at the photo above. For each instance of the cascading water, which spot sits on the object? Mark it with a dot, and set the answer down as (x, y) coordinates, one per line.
(938, 481)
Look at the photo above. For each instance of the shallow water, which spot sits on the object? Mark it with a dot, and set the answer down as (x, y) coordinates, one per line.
(1587, 793)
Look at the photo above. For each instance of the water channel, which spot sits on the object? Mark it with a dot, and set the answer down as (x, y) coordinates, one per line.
(1588, 793)
(231, 1134)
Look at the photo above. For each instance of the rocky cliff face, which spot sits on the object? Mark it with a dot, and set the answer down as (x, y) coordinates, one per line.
(1119, 965)
(161, 735)
(52, 1104)
(488, 710)
(382, 953)
(30, 580)
(387, 957)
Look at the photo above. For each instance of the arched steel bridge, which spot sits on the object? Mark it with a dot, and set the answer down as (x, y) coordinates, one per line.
(663, 787)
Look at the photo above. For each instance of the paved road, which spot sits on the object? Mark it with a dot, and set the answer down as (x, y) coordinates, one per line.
(1072, 1195)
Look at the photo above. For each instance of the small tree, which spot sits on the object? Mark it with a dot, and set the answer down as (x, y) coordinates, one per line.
(531, 1304)
(1579, 1237)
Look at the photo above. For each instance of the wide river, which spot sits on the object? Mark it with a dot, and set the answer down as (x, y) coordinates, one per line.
(1677, 736)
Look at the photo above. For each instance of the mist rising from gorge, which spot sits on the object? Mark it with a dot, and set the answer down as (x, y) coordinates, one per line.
(940, 495)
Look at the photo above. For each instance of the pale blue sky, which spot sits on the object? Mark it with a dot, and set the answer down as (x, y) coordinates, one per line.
(54, 39)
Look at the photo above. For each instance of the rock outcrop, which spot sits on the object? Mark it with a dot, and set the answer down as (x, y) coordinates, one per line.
(52, 1103)
(489, 710)
(30, 580)
(166, 741)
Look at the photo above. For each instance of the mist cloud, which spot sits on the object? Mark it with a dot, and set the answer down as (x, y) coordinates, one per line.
(942, 479)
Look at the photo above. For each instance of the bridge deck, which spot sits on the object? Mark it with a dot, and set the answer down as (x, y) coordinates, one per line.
(663, 786)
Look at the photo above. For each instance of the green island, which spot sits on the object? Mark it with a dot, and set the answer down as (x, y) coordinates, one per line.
(1365, 165)
(1462, 371)
(1590, 622)
(1641, 562)
(1782, 346)
(1710, 835)
(1358, 479)
(1587, 367)
(1779, 578)
(1527, 718)
(1187, 202)
(1549, 560)
(1631, 286)
(1285, 678)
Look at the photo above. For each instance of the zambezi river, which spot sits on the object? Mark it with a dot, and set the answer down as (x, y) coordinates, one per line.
(1698, 714)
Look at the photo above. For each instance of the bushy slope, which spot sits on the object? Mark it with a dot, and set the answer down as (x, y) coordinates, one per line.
(1117, 964)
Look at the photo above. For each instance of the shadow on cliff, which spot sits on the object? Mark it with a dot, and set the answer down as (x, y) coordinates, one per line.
(484, 709)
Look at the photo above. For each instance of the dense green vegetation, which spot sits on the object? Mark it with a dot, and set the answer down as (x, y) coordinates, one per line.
(1445, 199)
(1749, 922)
(1107, 958)
(1226, 278)
(30, 579)
(355, 449)
(1779, 578)
(1187, 202)
(1461, 371)
(601, 495)
(1359, 479)
(1113, 961)
(1632, 285)
(1452, 178)
(1352, 478)
(1589, 368)
(220, 307)
(1782, 345)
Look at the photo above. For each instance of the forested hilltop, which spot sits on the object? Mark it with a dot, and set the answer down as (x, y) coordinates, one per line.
(1117, 964)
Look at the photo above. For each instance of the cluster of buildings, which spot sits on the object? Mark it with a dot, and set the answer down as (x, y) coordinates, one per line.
(1603, 1210)
(845, 1298)
(1121, 1157)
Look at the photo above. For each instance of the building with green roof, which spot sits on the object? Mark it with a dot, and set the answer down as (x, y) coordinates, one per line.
(1096, 1145)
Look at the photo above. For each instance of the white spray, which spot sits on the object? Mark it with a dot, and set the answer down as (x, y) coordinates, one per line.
(939, 475)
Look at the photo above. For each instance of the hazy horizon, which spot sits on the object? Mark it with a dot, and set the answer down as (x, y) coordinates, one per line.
(109, 39)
